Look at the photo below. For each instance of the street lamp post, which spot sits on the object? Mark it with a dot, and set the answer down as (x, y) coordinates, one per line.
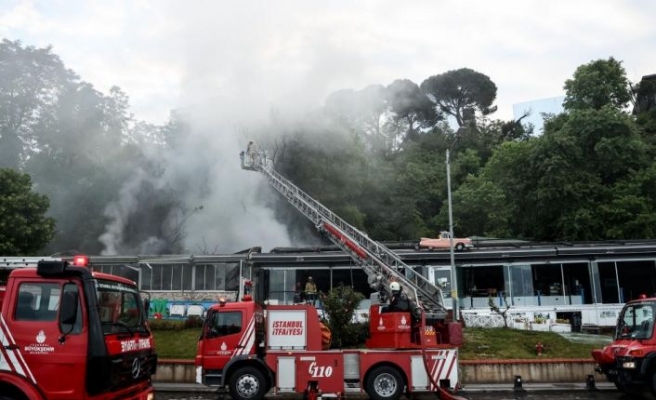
(454, 279)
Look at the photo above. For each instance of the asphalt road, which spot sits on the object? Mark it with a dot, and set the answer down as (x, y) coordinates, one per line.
(497, 395)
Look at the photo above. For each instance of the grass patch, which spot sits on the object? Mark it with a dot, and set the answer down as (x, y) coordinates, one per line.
(480, 343)
(504, 343)
(176, 343)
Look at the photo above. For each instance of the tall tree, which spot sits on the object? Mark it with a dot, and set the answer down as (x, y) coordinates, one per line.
(25, 228)
(456, 91)
(30, 82)
(407, 102)
(597, 84)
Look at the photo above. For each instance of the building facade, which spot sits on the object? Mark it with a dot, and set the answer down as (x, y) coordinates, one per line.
(561, 280)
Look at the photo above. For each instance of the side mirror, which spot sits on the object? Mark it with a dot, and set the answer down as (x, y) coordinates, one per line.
(68, 313)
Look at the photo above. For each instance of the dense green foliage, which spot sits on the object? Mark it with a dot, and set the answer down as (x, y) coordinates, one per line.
(375, 156)
(176, 344)
(340, 304)
(24, 228)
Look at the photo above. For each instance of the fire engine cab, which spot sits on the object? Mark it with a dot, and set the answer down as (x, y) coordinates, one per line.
(630, 361)
(70, 333)
(250, 350)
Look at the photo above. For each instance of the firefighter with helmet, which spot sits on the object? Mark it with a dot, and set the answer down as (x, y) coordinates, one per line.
(399, 300)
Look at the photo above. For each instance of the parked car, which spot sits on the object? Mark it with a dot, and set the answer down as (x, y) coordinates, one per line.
(443, 242)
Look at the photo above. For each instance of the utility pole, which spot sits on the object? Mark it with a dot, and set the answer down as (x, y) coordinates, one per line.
(454, 279)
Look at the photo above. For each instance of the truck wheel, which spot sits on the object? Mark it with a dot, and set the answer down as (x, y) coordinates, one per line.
(628, 389)
(460, 247)
(384, 383)
(653, 382)
(247, 384)
(620, 387)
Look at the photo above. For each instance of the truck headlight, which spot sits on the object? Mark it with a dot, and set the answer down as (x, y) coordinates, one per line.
(628, 365)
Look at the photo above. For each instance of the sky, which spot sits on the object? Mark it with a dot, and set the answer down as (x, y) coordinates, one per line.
(288, 54)
(228, 64)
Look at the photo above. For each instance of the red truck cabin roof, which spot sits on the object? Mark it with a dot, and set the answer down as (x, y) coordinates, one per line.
(31, 273)
(233, 305)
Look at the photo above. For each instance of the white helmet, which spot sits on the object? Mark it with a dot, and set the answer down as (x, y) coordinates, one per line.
(395, 287)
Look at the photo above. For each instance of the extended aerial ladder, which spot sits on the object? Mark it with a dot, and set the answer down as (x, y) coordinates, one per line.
(381, 265)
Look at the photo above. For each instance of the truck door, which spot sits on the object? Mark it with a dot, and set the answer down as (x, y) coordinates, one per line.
(36, 328)
(224, 337)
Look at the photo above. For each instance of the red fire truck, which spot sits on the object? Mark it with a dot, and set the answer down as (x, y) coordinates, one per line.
(250, 351)
(630, 361)
(70, 333)
(249, 354)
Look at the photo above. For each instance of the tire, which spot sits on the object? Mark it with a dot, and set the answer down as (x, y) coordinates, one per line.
(620, 387)
(384, 383)
(247, 383)
(460, 247)
(628, 389)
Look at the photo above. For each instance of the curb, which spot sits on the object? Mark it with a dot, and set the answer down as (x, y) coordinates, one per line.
(474, 388)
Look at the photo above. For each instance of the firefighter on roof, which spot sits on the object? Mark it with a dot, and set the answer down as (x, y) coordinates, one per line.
(311, 291)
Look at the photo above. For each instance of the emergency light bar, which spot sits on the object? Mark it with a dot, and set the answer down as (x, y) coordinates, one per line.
(81, 261)
(57, 267)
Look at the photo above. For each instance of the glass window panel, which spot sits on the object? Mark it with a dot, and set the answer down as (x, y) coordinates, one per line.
(225, 323)
(158, 275)
(199, 277)
(522, 280)
(186, 276)
(277, 285)
(37, 302)
(210, 274)
(219, 278)
(231, 276)
(176, 277)
(146, 277)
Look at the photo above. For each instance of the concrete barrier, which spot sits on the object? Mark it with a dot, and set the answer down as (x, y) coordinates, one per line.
(471, 371)
(175, 371)
(532, 371)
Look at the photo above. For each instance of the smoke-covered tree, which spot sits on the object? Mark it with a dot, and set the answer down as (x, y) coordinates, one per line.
(25, 228)
(410, 105)
(30, 82)
(456, 91)
(597, 84)
(359, 111)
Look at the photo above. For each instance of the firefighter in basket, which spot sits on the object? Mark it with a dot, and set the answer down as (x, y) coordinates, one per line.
(399, 300)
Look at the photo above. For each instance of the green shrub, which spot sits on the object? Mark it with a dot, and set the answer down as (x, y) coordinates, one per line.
(193, 322)
(355, 335)
(340, 304)
(175, 325)
(166, 325)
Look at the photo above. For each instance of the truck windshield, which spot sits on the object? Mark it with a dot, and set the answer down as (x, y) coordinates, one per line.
(636, 322)
(120, 307)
